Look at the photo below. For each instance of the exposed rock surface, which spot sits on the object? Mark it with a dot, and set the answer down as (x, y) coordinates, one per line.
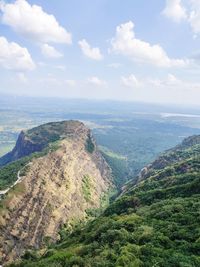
(38, 138)
(57, 188)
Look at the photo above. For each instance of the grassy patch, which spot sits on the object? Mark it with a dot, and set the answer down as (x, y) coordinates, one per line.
(118, 164)
(90, 145)
(112, 154)
(5, 201)
(8, 173)
(86, 187)
(105, 200)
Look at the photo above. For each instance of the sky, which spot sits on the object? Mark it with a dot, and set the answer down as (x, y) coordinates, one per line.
(129, 50)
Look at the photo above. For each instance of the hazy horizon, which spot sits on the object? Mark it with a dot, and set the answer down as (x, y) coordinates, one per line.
(104, 50)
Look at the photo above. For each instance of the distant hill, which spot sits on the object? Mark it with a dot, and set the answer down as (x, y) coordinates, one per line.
(63, 178)
(36, 139)
(153, 223)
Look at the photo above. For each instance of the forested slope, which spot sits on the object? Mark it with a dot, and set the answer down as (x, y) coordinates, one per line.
(154, 223)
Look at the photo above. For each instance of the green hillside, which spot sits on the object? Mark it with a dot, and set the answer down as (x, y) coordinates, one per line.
(154, 223)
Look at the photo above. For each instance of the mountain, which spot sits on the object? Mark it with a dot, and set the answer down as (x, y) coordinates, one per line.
(36, 139)
(61, 179)
(155, 222)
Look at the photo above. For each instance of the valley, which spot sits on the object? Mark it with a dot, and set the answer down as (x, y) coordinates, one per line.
(70, 195)
(154, 222)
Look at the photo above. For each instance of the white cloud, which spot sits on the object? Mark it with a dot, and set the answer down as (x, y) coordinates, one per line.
(125, 43)
(96, 81)
(70, 83)
(154, 82)
(14, 57)
(170, 81)
(131, 81)
(33, 23)
(194, 17)
(174, 10)
(22, 77)
(50, 52)
(88, 51)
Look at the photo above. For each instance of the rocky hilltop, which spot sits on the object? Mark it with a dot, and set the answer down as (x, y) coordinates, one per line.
(36, 139)
(60, 185)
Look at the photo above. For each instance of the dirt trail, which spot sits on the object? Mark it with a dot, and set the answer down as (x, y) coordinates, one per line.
(19, 179)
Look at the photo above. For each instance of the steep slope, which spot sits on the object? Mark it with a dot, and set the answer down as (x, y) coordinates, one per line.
(154, 223)
(188, 148)
(59, 185)
(36, 139)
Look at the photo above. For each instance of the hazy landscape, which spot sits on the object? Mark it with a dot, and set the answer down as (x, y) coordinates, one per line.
(100, 133)
(130, 135)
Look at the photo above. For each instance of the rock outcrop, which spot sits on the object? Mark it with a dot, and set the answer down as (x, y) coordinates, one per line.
(59, 187)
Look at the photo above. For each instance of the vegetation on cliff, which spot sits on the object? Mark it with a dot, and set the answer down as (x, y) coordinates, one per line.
(8, 173)
(154, 223)
(37, 142)
(66, 182)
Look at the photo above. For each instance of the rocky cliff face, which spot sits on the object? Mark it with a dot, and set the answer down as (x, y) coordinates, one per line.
(57, 188)
(38, 138)
(24, 147)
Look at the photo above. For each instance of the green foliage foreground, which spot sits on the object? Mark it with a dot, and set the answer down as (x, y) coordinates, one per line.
(155, 223)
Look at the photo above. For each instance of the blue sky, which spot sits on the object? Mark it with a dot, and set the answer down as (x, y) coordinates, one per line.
(102, 49)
